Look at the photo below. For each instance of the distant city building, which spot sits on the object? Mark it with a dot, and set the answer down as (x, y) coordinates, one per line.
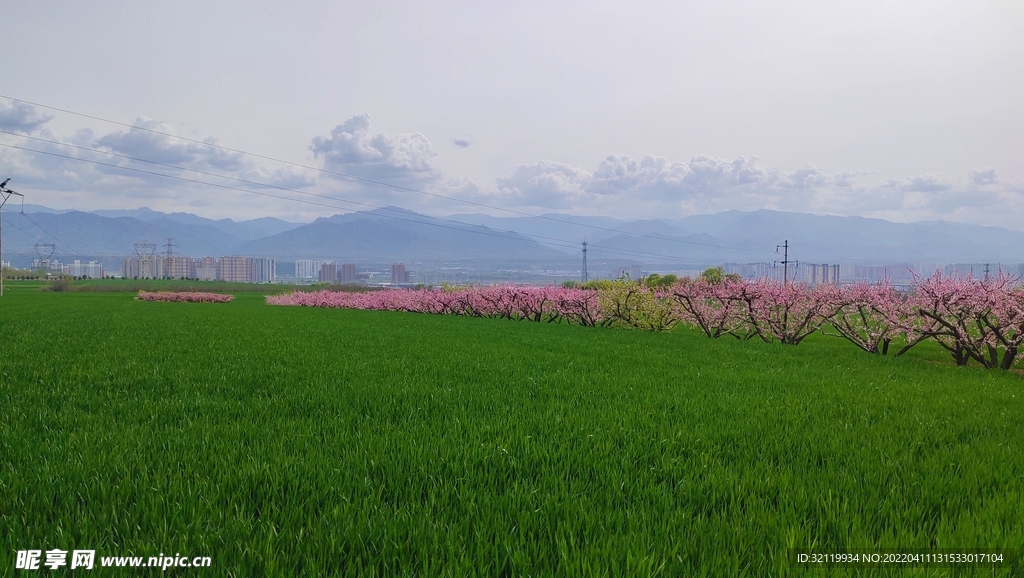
(753, 270)
(307, 269)
(92, 269)
(233, 269)
(821, 274)
(179, 267)
(872, 274)
(977, 270)
(634, 272)
(398, 273)
(136, 268)
(47, 265)
(927, 269)
(328, 272)
(262, 270)
(130, 268)
(206, 269)
(347, 273)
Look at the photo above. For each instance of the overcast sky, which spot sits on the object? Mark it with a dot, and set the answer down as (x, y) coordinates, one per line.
(907, 110)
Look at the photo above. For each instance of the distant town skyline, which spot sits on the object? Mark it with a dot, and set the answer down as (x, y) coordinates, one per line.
(904, 112)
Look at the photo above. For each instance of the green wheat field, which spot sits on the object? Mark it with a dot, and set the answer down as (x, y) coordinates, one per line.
(299, 442)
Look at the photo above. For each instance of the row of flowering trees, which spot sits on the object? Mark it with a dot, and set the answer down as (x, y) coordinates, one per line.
(517, 302)
(979, 320)
(184, 296)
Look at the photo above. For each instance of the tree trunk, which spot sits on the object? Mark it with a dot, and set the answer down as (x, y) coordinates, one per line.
(1009, 356)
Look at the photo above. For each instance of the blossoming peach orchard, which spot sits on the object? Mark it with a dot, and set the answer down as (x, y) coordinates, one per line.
(980, 320)
(184, 297)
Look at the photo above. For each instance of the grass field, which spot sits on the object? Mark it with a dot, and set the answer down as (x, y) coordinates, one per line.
(297, 442)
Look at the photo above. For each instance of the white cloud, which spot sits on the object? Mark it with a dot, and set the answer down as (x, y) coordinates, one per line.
(142, 143)
(22, 118)
(67, 177)
(985, 176)
(401, 158)
(703, 180)
(656, 187)
(545, 184)
(926, 183)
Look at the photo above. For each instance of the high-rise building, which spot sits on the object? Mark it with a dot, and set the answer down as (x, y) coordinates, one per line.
(130, 268)
(307, 269)
(92, 269)
(823, 273)
(753, 270)
(136, 268)
(262, 270)
(179, 267)
(634, 272)
(206, 269)
(328, 272)
(347, 273)
(233, 269)
(398, 273)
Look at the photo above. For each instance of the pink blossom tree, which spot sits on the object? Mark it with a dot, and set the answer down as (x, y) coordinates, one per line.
(787, 312)
(713, 307)
(976, 320)
(869, 315)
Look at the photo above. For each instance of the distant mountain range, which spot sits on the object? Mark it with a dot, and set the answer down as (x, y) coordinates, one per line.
(395, 234)
(739, 236)
(378, 236)
(244, 230)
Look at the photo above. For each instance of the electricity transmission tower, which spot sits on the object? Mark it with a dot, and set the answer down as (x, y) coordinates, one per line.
(5, 194)
(584, 275)
(168, 271)
(44, 262)
(145, 251)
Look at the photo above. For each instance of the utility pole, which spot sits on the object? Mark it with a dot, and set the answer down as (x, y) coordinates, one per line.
(5, 194)
(584, 276)
(785, 260)
(170, 246)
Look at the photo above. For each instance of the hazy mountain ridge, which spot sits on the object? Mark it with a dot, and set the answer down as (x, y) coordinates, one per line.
(78, 234)
(741, 236)
(244, 230)
(393, 233)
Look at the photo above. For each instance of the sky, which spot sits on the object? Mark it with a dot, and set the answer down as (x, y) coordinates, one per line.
(905, 110)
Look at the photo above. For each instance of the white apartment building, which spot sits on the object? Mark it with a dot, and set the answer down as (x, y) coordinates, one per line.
(92, 269)
(262, 270)
(307, 269)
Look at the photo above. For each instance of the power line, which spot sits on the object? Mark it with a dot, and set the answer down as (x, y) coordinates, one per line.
(465, 227)
(41, 228)
(357, 178)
